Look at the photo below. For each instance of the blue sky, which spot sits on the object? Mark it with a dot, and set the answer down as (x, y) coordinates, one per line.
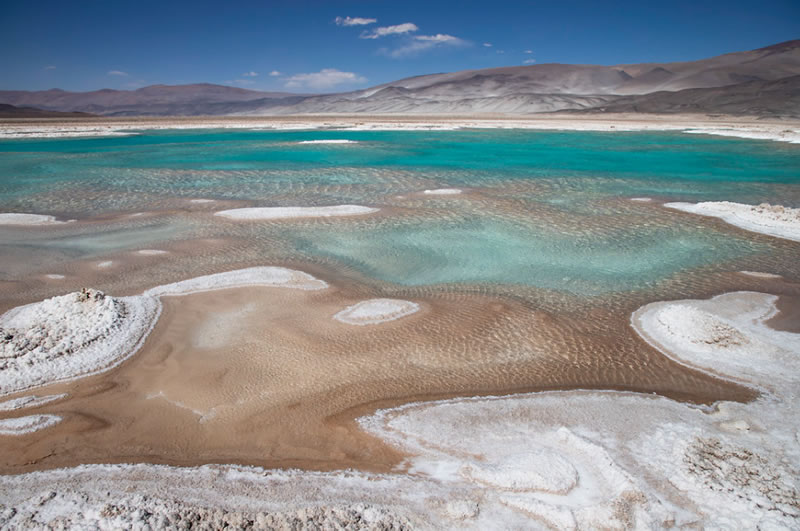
(301, 46)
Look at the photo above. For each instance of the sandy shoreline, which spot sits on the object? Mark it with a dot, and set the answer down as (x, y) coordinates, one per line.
(744, 127)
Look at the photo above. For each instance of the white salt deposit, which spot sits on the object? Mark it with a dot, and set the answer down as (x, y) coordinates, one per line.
(642, 199)
(8, 218)
(29, 424)
(105, 264)
(29, 401)
(726, 335)
(150, 252)
(201, 201)
(54, 276)
(774, 220)
(791, 136)
(70, 336)
(443, 191)
(253, 276)
(376, 311)
(759, 274)
(340, 141)
(258, 213)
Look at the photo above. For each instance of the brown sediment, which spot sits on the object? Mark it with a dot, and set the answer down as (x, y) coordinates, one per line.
(788, 317)
(266, 376)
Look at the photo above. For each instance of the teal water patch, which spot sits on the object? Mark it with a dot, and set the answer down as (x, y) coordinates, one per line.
(147, 162)
(483, 251)
(550, 208)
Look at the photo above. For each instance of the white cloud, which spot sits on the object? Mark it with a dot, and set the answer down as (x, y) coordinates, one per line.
(274, 73)
(117, 73)
(400, 29)
(250, 74)
(529, 61)
(50, 67)
(421, 43)
(528, 51)
(487, 44)
(325, 79)
(354, 21)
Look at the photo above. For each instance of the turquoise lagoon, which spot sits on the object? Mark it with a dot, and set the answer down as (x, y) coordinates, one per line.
(541, 209)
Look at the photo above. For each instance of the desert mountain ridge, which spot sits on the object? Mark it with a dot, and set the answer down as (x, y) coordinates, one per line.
(762, 82)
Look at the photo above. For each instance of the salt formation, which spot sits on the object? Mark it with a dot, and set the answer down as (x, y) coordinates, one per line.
(28, 219)
(252, 276)
(339, 141)
(257, 213)
(69, 336)
(29, 402)
(774, 220)
(443, 191)
(376, 311)
(29, 424)
(565, 460)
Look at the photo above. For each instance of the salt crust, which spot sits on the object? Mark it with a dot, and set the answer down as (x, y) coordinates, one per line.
(29, 424)
(252, 276)
(54, 276)
(105, 264)
(29, 401)
(774, 220)
(567, 460)
(9, 218)
(150, 252)
(201, 201)
(777, 132)
(72, 335)
(257, 213)
(87, 332)
(376, 311)
(760, 274)
(785, 135)
(641, 199)
(443, 191)
(340, 141)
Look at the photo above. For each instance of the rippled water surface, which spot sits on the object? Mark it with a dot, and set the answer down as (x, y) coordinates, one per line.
(548, 210)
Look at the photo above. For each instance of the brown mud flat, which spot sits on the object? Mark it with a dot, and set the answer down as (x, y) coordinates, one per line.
(265, 376)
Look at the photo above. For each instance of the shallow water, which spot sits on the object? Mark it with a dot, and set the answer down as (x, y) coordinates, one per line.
(542, 209)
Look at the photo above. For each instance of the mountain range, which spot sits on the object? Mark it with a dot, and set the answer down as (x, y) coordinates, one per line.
(762, 82)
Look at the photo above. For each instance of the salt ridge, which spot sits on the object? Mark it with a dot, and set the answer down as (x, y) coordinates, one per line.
(376, 311)
(259, 213)
(443, 191)
(13, 218)
(29, 402)
(773, 220)
(29, 424)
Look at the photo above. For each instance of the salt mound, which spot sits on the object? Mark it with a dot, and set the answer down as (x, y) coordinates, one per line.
(69, 336)
(256, 213)
(150, 252)
(443, 191)
(253, 276)
(376, 311)
(774, 220)
(28, 219)
(29, 424)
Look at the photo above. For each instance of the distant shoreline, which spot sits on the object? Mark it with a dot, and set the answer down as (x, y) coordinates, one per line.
(787, 130)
